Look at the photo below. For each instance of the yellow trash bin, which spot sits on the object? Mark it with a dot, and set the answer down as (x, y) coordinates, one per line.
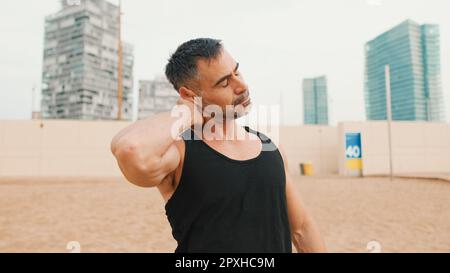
(307, 169)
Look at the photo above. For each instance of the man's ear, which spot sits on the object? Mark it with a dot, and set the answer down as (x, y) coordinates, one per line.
(186, 93)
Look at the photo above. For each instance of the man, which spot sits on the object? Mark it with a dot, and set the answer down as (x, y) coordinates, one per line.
(222, 194)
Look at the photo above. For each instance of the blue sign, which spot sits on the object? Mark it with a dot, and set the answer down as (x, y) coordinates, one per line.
(353, 145)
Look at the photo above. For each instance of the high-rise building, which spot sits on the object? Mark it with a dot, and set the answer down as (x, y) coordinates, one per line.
(315, 101)
(413, 53)
(80, 75)
(156, 96)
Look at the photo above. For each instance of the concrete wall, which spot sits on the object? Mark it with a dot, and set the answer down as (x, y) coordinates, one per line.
(315, 144)
(417, 147)
(81, 148)
(59, 148)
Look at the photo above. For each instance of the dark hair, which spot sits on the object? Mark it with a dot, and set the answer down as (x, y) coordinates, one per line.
(182, 64)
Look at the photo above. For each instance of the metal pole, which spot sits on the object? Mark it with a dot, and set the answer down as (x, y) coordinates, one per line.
(33, 101)
(389, 116)
(119, 66)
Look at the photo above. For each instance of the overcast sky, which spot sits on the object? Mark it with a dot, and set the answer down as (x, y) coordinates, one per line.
(278, 43)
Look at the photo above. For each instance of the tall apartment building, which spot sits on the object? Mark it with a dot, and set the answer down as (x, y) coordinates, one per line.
(156, 96)
(80, 75)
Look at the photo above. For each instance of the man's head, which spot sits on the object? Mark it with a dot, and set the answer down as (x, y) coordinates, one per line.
(203, 68)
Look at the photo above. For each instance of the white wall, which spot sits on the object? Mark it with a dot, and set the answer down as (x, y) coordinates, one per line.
(60, 148)
(81, 148)
(417, 147)
(315, 144)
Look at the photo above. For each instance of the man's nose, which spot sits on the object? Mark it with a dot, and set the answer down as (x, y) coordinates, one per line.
(240, 86)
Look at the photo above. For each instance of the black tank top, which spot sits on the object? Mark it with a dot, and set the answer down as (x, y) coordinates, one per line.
(232, 206)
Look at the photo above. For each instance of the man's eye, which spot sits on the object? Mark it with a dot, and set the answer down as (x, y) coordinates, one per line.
(225, 83)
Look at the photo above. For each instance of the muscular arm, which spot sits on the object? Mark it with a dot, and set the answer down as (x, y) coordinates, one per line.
(304, 231)
(146, 151)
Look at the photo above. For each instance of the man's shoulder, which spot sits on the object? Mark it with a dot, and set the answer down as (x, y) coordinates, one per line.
(268, 144)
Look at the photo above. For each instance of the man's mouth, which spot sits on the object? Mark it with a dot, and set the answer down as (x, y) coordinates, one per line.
(246, 102)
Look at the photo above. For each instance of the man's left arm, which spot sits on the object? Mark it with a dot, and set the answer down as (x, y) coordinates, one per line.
(304, 231)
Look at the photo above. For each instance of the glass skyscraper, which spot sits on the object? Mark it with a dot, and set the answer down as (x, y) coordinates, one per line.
(413, 53)
(315, 101)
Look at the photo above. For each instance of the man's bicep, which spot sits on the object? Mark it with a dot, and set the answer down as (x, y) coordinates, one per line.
(151, 173)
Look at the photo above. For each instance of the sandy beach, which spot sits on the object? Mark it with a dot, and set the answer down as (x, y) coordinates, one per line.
(111, 215)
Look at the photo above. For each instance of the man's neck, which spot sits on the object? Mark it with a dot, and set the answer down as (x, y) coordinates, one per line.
(223, 130)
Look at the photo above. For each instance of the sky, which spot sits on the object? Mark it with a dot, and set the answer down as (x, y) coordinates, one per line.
(277, 43)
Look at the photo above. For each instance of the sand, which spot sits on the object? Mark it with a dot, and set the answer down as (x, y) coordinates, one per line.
(111, 215)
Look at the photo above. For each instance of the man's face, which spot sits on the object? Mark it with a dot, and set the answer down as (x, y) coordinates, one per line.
(223, 85)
